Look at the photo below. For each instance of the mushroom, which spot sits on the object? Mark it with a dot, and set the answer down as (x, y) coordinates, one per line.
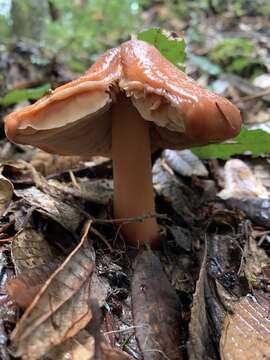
(131, 102)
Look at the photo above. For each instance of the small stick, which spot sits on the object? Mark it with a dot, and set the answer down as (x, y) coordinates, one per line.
(101, 237)
(253, 97)
(131, 219)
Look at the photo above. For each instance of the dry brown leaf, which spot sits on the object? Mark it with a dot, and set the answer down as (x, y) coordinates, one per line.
(80, 347)
(66, 215)
(30, 250)
(108, 353)
(156, 310)
(61, 308)
(99, 288)
(35, 260)
(98, 191)
(246, 334)
(26, 286)
(48, 164)
(87, 344)
(6, 193)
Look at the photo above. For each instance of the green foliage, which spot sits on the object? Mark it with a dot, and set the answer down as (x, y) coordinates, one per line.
(254, 142)
(75, 31)
(250, 7)
(4, 29)
(17, 96)
(84, 29)
(171, 47)
(235, 55)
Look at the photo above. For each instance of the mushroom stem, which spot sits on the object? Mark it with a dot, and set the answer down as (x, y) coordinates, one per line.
(133, 189)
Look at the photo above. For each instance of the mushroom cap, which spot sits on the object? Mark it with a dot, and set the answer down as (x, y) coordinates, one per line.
(76, 119)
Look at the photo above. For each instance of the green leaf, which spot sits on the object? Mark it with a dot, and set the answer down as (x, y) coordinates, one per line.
(204, 64)
(241, 64)
(17, 96)
(171, 47)
(254, 142)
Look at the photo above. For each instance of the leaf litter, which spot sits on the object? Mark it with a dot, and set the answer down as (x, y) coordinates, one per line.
(37, 259)
(60, 309)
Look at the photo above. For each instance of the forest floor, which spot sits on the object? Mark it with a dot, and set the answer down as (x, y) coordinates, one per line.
(63, 262)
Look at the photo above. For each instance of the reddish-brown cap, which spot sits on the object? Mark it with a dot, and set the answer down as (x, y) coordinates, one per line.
(75, 118)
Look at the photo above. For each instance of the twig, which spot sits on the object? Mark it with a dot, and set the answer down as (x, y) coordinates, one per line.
(131, 219)
(99, 235)
(127, 329)
(74, 180)
(253, 97)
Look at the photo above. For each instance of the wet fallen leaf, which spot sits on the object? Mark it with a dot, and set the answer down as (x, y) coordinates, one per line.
(60, 309)
(6, 193)
(156, 310)
(185, 163)
(246, 332)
